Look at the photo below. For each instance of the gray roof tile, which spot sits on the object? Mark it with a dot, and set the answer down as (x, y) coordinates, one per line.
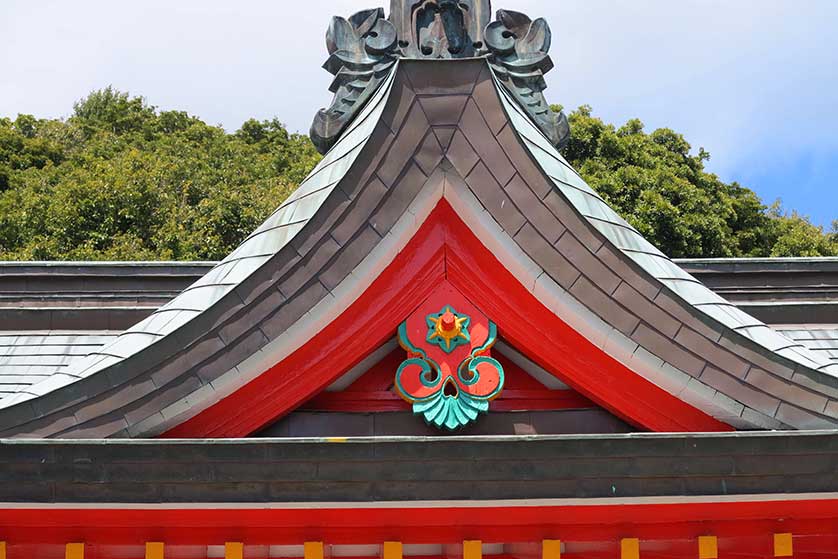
(710, 317)
(638, 248)
(543, 214)
(267, 240)
(27, 358)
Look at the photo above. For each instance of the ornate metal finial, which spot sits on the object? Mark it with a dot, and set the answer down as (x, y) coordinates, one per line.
(440, 28)
(519, 48)
(363, 48)
(361, 51)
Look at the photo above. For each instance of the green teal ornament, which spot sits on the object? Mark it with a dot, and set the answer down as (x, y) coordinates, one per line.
(449, 376)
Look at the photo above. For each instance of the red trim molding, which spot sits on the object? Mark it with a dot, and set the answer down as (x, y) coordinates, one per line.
(753, 522)
(443, 249)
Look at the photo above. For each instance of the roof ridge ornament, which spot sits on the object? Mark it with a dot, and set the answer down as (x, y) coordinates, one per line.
(519, 56)
(440, 28)
(363, 49)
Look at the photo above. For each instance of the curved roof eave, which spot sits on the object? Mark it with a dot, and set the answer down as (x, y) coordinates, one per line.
(778, 364)
(214, 292)
(313, 255)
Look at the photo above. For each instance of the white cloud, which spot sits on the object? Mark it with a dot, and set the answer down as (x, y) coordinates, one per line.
(744, 78)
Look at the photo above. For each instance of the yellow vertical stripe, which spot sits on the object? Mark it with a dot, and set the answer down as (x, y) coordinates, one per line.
(233, 550)
(783, 545)
(2, 550)
(472, 549)
(74, 551)
(154, 550)
(708, 547)
(313, 550)
(551, 549)
(392, 550)
(630, 548)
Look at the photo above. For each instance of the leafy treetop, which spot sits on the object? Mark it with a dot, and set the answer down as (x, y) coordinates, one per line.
(658, 186)
(122, 180)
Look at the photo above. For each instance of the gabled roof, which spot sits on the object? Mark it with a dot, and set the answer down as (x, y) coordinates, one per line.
(216, 293)
(270, 326)
(28, 357)
(95, 296)
(59, 312)
(632, 244)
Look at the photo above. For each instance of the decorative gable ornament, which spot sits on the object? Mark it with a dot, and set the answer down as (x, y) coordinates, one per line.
(363, 48)
(449, 376)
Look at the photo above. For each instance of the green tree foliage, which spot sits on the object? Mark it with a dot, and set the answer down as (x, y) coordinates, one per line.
(658, 186)
(120, 180)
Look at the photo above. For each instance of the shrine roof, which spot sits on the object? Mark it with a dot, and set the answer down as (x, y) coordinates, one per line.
(433, 132)
(85, 296)
(631, 243)
(57, 307)
(29, 357)
(221, 280)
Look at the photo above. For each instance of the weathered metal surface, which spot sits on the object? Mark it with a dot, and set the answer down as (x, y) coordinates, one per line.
(519, 48)
(362, 204)
(363, 48)
(775, 290)
(440, 28)
(418, 468)
(27, 358)
(361, 53)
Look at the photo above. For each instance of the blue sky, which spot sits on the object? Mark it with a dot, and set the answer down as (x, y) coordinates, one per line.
(755, 82)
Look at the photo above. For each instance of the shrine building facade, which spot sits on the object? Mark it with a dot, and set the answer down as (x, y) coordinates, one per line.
(443, 344)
